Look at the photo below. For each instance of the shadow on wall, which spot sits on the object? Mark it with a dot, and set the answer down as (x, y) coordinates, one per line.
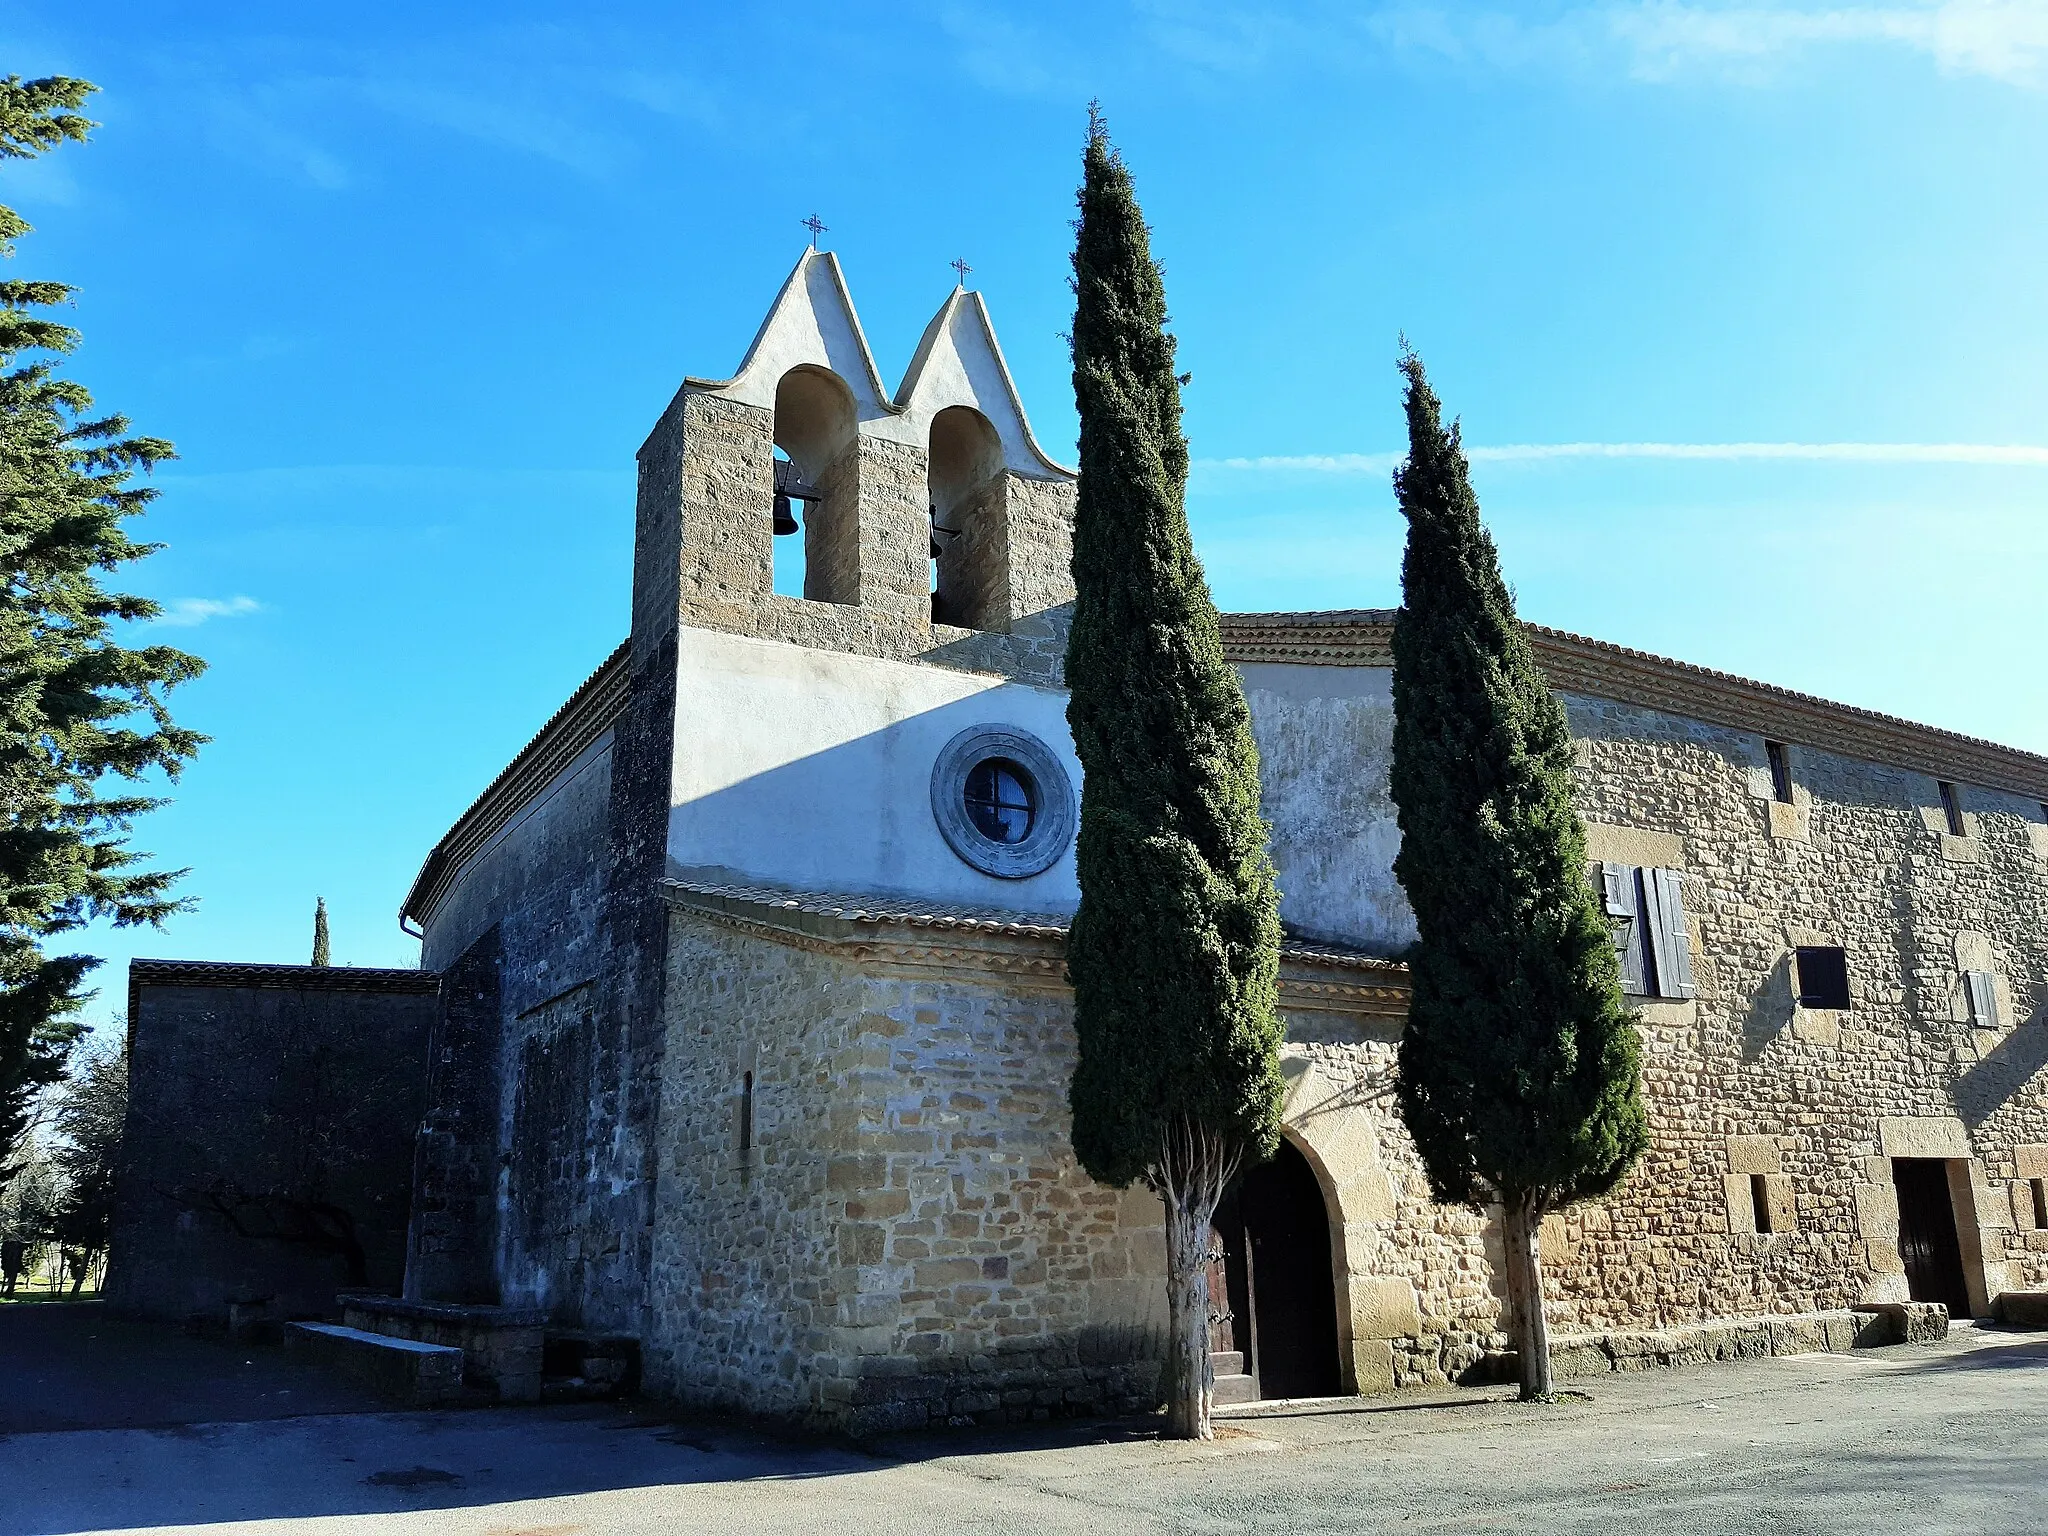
(1769, 1013)
(2011, 1064)
(856, 816)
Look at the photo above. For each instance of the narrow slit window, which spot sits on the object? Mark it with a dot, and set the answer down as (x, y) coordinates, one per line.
(1952, 808)
(1760, 1201)
(2040, 1203)
(747, 1112)
(1781, 772)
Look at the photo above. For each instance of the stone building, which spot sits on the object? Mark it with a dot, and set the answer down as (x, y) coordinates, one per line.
(755, 1037)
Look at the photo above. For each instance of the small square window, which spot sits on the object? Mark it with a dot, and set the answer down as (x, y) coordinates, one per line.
(1781, 772)
(1952, 809)
(1822, 976)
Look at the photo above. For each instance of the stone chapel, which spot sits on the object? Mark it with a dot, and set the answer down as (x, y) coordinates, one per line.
(753, 1034)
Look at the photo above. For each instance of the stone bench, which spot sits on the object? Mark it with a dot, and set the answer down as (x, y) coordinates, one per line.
(2022, 1309)
(1748, 1338)
(403, 1370)
(501, 1347)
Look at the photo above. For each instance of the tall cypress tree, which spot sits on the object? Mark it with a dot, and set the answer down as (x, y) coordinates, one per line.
(320, 945)
(1520, 1067)
(77, 708)
(1174, 954)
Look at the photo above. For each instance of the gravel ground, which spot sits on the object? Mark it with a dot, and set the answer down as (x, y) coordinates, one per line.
(1923, 1438)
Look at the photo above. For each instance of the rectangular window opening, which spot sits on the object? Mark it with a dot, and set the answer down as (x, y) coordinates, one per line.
(2040, 1203)
(747, 1112)
(1822, 976)
(1781, 772)
(1952, 808)
(1980, 988)
(1760, 1200)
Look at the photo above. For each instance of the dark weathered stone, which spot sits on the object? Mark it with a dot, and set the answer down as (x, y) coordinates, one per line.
(258, 1093)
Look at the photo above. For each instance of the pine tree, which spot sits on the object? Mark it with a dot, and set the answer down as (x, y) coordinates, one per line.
(77, 708)
(1174, 954)
(320, 948)
(90, 1119)
(1520, 1076)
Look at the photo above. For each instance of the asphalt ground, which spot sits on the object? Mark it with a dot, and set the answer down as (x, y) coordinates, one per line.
(1919, 1438)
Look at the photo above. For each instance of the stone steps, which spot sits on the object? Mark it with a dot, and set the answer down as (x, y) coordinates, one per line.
(1231, 1384)
(1232, 1390)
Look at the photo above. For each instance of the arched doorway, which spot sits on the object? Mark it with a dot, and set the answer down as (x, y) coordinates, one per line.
(1271, 1286)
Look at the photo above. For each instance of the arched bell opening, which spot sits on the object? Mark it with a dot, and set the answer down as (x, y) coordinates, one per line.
(969, 548)
(816, 510)
(1272, 1285)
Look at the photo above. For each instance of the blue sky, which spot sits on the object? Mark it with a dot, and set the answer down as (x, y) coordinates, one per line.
(1743, 308)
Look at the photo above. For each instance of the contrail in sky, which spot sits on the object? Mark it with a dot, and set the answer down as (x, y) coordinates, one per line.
(1509, 453)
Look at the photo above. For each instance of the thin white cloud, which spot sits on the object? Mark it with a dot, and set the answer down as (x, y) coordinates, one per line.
(186, 612)
(2004, 39)
(1314, 463)
(1672, 40)
(1508, 453)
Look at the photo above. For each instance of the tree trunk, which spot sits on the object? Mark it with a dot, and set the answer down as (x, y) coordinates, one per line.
(1521, 1220)
(1193, 1171)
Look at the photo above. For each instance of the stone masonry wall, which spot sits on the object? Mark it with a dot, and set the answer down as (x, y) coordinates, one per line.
(709, 466)
(270, 1106)
(909, 1239)
(1740, 1080)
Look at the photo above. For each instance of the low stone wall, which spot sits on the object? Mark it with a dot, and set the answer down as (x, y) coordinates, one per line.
(1748, 1338)
(406, 1371)
(501, 1346)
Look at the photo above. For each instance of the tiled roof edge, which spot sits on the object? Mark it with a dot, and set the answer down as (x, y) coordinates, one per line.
(881, 911)
(321, 978)
(1602, 669)
(587, 715)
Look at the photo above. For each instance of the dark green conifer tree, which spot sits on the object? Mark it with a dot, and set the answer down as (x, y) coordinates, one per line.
(77, 708)
(1520, 1070)
(321, 949)
(1174, 954)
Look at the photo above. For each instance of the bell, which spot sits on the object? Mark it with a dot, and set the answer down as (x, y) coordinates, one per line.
(785, 520)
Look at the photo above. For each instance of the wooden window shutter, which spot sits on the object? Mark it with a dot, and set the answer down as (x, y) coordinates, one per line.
(1665, 913)
(1983, 993)
(1620, 897)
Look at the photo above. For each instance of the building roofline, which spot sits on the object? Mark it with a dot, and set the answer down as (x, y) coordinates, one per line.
(588, 714)
(314, 978)
(1363, 637)
(1026, 948)
(1360, 637)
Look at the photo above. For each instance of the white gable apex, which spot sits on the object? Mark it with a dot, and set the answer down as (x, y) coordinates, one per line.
(959, 362)
(812, 321)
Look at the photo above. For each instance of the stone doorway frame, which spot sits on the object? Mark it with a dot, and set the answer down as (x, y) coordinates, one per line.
(1980, 1216)
(1337, 1133)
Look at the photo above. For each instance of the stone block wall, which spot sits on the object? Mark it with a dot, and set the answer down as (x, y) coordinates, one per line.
(706, 486)
(268, 1150)
(1743, 1082)
(908, 1239)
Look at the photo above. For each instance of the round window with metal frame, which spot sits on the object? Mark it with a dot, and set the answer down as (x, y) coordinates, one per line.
(1003, 801)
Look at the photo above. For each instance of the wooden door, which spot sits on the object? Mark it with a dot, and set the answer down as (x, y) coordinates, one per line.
(1292, 1296)
(1230, 1312)
(1927, 1233)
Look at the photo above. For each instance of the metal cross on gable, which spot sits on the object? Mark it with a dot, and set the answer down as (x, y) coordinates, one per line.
(959, 264)
(816, 226)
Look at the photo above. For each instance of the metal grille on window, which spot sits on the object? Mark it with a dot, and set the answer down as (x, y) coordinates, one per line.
(1000, 800)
